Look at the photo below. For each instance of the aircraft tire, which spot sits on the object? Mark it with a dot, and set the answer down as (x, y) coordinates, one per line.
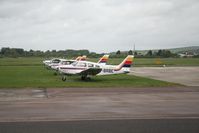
(88, 78)
(55, 73)
(83, 78)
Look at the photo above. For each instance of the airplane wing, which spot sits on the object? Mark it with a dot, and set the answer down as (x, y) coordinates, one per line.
(91, 71)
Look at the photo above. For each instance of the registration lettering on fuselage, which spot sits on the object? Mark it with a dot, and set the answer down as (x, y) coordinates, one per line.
(108, 70)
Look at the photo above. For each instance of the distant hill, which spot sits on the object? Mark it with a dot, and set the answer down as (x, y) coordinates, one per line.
(192, 49)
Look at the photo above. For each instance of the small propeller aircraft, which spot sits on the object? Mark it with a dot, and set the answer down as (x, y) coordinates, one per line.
(103, 60)
(54, 63)
(86, 69)
(55, 66)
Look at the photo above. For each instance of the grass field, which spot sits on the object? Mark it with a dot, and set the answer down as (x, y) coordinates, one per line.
(159, 61)
(22, 61)
(38, 76)
(29, 73)
(137, 61)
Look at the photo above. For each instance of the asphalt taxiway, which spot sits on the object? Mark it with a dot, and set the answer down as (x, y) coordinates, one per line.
(68, 104)
(104, 126)
(188, 76)
(100, 110)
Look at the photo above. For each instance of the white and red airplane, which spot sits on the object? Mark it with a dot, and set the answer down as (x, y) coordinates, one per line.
(103, 60)
(55, 66)
(54, 63)
(86, 69)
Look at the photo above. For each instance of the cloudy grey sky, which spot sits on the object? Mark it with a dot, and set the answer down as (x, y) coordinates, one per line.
(98, 25)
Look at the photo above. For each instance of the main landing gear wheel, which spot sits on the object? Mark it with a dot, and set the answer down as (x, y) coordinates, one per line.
(55, 73)
(88, 78)
(63, 78)
(85, 78)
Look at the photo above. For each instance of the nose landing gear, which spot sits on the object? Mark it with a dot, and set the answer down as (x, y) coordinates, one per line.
(63, 78)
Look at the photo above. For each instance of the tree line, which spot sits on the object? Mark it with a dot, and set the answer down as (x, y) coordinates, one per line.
(161, 53)
(149, 54)
(19, 52)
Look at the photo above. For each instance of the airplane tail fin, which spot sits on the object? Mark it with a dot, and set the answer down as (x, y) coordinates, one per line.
(81, 58)
(103, 60)
(78, 58)
(126, 63)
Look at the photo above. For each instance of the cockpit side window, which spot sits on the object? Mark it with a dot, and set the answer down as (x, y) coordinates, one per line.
(81, 64)
(65, 63)
(97, 66)
(74, 63)
(55, 61)
(90, 65)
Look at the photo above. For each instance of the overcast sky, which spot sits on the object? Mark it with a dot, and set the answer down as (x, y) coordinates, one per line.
(98, 25)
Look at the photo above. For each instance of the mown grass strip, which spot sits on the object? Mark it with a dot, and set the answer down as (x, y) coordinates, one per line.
(37, 61)
(38, 76)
